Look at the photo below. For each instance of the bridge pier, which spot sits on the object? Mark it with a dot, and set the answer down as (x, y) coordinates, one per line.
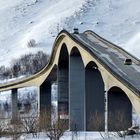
(63, 93)
(45, 98)
(14, 96)
(77, 93)
(63, 84)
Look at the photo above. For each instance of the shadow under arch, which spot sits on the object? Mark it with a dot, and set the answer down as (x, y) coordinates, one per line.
(76, 91)
(63, 57)
(119, 110)
(75, 52)
(63, 83)
(95, 110)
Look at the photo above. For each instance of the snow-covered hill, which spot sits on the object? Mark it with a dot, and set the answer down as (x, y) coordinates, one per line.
(41, 20)
(23, 20)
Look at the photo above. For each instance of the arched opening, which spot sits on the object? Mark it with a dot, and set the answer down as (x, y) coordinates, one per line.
(76, 91)
(119, 110)
(95, 114)
(63, 83)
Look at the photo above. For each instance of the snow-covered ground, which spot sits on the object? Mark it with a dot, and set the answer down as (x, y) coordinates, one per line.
(85, 136)
(79, 136)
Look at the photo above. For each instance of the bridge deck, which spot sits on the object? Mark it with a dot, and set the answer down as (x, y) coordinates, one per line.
(113, 58)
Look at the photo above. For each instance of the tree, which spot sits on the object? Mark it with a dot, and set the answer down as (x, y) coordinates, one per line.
(56, 129)
(26, 65)
(15, 129)
(53, 128)
(3, 126)
(30, 124)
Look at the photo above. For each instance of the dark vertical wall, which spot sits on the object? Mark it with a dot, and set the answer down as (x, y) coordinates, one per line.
(14, 104)
(119, 110)
(63, 78)
(95, 114)
(76, 91)
(63, 84)
(45, 96)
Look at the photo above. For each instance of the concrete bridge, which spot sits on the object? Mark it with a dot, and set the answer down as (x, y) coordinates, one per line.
(88, 70)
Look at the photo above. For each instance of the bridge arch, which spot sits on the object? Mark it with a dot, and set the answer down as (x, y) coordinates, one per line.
(94, 87)
(63, 82)
(63, 56)
(76, 90)
(119, 110)
(75, 52)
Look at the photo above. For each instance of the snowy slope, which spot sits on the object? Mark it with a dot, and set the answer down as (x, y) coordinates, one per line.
(41, 20)
(115, 20)
(21, 21)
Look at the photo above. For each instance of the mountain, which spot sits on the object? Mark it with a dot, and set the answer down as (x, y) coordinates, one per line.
(22, 21)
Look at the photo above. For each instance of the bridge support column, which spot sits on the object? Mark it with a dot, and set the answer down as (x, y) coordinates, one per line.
(63, 93)
(106, 111)
(44, 103)
(14, 102)
(77, 94)
(45, 97)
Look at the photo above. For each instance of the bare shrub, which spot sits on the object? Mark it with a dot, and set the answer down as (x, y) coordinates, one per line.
(30, 124)
(96, 122)
(121, 121)
(3, 126)
(44, 120)
(31, 43)
(54, 129)
(117, 121)
(15, 129)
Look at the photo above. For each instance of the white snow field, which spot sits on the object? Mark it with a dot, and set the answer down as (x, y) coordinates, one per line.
(80, 136)
(41, 20)
(23, 20)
